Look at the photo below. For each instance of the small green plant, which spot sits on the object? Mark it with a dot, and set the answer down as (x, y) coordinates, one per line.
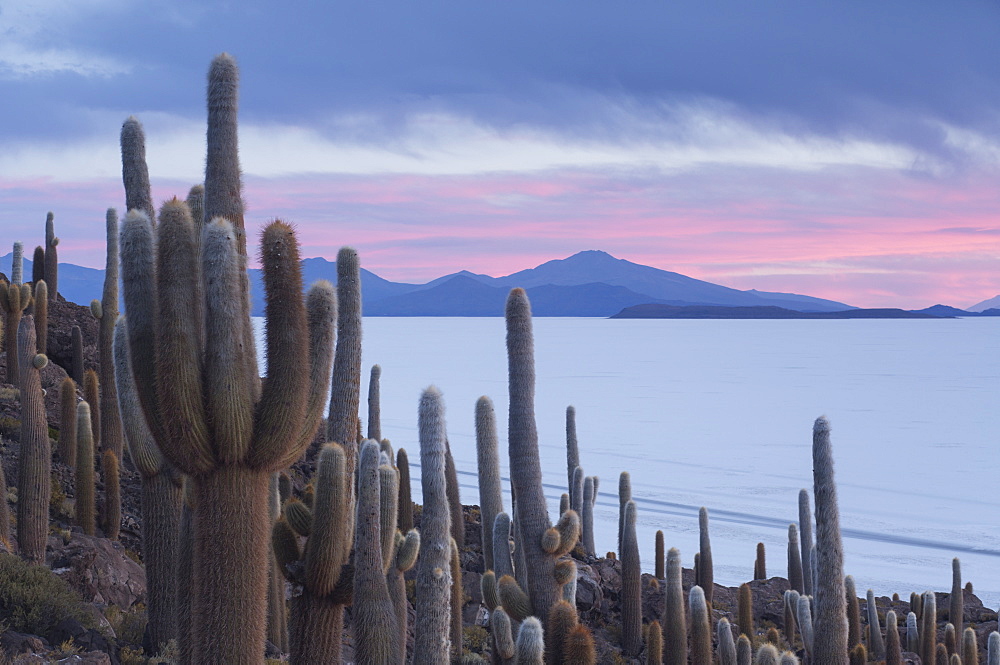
(33, 599)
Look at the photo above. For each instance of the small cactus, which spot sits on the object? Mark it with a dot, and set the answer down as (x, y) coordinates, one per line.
(913, 633)
(572, 454)
(38, 265)
(84, 482)
(135, 172)
(659, 557)
(705, 578)
(701, 627)
(374, 404)
(928, 631)
(766, 655)
(110, 437)
(580, 648)
(970, 647)
(760, 563)
(804, 617)
(675, 647)
(745, 610)
(51, 257)
(405, 513)
(744, 651)
(993, 649)
(587, 528)
(4, 512)
(92, 396)
(893, 647)
(727, 647)
(14, 298)
(530, 646)
(454, 497)
(562, 621)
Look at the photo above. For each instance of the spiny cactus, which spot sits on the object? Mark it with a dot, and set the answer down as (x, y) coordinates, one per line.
(788, 658)
(51, 271)
(374, 404)
(766, 655)
(624, 496)
(744, 651)
(41, 314)
(17, 264)
(501, 632)
(575, 498)
(701, 627)
(503, 562)
(587, 527)
(970, 647)
(760, 563)
(454, 497)
(373, 615)
(84, 480)
(572, 455)
(34, 463)
(135, 173)
(858, 655)
(490, 493)
(727, 647)
(993, 649)
(744, 610)
(804, 618)
(912, 633)
(161, 500)
(631, 595)
(431, 644)
(76, 363)
(110, 437)
(580, 648)
(14, 298)
(950, 641)
(342, 421)
(540, 547)
(675, 650)
(202, 397)
(831, 618)
(67, 422)
(806, 540)
(791, 603)
(562, 621)
(928, 629)
(457, 595)
(659, 560)
(92, 396)
(405, 514)
(530, 646)
(893, 647)
(404, 558)
(38, 265)
(956, 604)
(853, 612)
(706, 576)
(876, 644)
(112, 495)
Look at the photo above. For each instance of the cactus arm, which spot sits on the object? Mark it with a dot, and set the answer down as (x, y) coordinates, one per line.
(141, 447)
(328, 547)
(84, 469)
(344, 393)
(41, 315)
(388, 509)
(179, 386)
(374, 405)
(111, 426)
(135, 172)
(490, 493)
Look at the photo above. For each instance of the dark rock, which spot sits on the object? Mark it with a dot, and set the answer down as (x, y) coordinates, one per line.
(100, 571)
(13, 643)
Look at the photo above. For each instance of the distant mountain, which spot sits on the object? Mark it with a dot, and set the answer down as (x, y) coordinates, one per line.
(764, 312)
(992, 303)
(590, 283)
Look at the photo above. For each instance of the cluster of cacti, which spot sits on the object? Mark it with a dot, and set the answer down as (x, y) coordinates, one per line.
(14, 298)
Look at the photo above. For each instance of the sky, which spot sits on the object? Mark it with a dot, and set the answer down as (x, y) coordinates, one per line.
(844, 150)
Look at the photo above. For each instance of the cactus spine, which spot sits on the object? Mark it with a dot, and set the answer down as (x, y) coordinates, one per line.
(744, 651)
(706, 577)
(161, 500)
(41, 314)
(111, 427)
(374, 618)
(806, 540)
(701, 627)
(831, 617)
(51, 257)
(112, 495)
(893, 647)
(530, 646)
(433, 570)
(970, 647)
(804, 616)
(876, 645)
(631, 586)
(675, 649)
(956, 604)
(34, 464)
(794, 559)
(490, 493)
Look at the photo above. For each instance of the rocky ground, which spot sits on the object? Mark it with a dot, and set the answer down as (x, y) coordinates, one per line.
(109, 578)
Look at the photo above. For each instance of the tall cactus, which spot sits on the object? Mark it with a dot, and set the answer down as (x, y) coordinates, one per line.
(41, 314)
(161, 500)
(76, 363)
(893, 647)
(374, 619)
(876, 644)
(659, 560)
(675, 648)
(38, 265)
(760, 563)
(744, 610)
(34, 464)
(374, 404)
(727, 647)
(572, 453)
(14, 298)
(928, 629)
(831, 616)
(433, 570)
(84, 480)
(624, 496)
(454, 497)
(853, 613)
(92, 395)
(587, 526)
(51, 272)
(111, 425)
(490, 494)
(405, 498)
(794, 559)
(135, 173)
(806, 540)
(631, 585)
(706, 575)
(17, 264)
(956, 603)
(342, 422)
(112, 495)
(540, 543)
